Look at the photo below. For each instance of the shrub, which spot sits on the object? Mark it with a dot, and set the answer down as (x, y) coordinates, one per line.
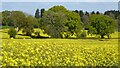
(12, 32)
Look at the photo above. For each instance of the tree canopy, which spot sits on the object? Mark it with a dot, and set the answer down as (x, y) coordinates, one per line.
(62, 21)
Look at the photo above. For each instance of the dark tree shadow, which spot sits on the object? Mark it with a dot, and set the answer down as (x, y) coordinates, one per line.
(39, 37)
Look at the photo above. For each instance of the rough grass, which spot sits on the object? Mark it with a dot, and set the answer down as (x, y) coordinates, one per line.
(4, 34)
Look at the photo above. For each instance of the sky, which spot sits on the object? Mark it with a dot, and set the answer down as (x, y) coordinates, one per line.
(59, 0)
(30, 7)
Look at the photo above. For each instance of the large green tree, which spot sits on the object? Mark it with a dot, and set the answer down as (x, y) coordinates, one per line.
(69, 20)
(101, 25)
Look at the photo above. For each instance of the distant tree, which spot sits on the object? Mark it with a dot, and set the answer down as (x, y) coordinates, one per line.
(28, 26)
(97, 12)
(92, 12)
(37, 14)
(42, 11)
(76, 11)
(81, 13)
(101, 25)
(87, 13)
(12, 32)
(112, 13)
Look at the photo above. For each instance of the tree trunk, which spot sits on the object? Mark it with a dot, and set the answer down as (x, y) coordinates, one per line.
(102, 36)
(108, 36)
(28, 34)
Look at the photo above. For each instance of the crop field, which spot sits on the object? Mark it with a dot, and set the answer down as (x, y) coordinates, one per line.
(59, 35)
(59, 52)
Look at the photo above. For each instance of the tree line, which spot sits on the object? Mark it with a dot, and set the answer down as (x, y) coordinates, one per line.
(58, 22)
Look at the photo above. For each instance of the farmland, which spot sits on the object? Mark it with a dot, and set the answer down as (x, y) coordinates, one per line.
(59, 52)
(59, 37)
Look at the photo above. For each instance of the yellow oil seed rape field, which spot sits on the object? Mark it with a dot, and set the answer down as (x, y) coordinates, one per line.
(59, 52)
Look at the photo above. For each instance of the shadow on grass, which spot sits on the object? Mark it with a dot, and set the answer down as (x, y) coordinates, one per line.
(39, 37)
(35, 37)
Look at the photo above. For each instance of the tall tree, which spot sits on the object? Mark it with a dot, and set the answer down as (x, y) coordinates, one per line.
(92, 12)
(97, 12)
(76, 11)
(81, 13)
(87, 13)
(37, 14)
(42, 11)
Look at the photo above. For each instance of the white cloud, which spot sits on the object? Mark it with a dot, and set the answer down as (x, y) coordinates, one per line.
(59, 0)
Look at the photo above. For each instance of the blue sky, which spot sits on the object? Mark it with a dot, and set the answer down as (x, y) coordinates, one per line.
(59, 0)
(30, 7)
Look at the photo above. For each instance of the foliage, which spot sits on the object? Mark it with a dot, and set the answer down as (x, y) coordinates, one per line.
(6, 18)
(42, 11)
(67, 22)
(59, 52)
(18, 18)
(58, 8)
(97, 12)
(118, 23)
(37, 14)
(92, 12)
(112, 13)
(101, 25)
(53, 23)
(28, 26)
(12, 32)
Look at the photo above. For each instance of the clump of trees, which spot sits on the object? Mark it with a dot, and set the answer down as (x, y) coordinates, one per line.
(58, 22)
(19, 20)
